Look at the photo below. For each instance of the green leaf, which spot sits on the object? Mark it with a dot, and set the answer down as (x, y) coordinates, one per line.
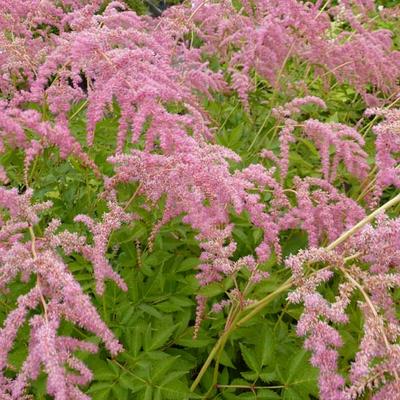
(249, 358)
(176, 390)
(194, 343)
(225, 360)
(211, 290)
(129, 382)
(299, 376)
(103, 372)
(160, 337)
(267, 394)
(150, 310)
(189, 263)
(148, 394)
(120, 392)
(161, 368)
(265, 346)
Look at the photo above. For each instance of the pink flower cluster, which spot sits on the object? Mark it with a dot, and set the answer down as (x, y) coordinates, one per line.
(14, 125)
(263, 35)
(376, 364)
(346, 141)
(387, 145)
(27, 34)
(56, 293)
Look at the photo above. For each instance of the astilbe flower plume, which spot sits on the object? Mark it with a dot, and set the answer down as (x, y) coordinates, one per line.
(101, 232)
(206, 192)
(59, 296)
(387, 145)
(347, 144)
(27, 33)
(250, 39)
(322, 340)
(15, 125)
(121, 56)
(344, 54)
(321, 210)
(285, 114)
(263, 36)
(197, 184)
(345, 141)
(376, 364)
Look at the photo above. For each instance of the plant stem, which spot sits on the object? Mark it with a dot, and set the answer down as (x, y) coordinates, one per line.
(210, 357)
(259, 305)
(235, 323)
(363, 222)
(217, 360)
(80, 108)
(231, 320)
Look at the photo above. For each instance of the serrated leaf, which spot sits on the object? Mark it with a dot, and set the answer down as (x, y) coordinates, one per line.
(120, 392)
(189, 263)
(194, 343)
(211, 290)
(265, 346)
(268, 376)
(297, 365)
(129, 382)
(150, 310)
(160, 337)
(250, 376)
(249, 358)
(267, 394)
(104, 373)
(99, 386)
(225, 360)
(161, 368)
(176, 390)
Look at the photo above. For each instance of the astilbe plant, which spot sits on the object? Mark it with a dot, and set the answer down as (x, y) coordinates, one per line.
(56, 293)
(121, 56)
(347, 142)
(387, 145)
(25, 129)
(375, 366)
(28, 30)
(250, 39)
(262, 36)
(156, 78)
(206, 192)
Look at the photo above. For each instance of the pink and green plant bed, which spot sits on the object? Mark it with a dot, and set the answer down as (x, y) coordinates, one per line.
(202, 204)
